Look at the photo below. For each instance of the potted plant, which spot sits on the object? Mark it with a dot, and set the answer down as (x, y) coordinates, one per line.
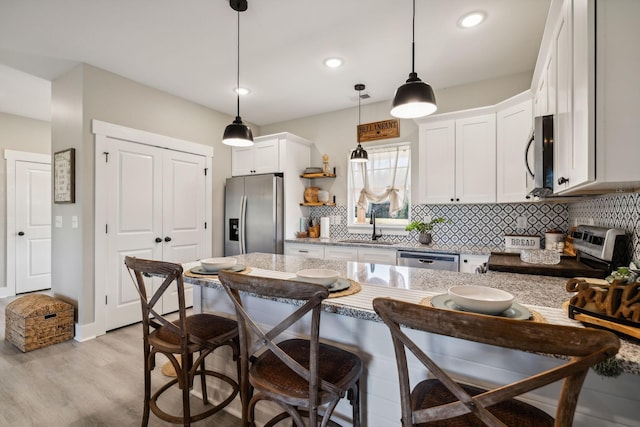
(424, 228)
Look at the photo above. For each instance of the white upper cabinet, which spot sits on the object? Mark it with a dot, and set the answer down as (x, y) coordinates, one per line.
(476, 159)
(437, 157)
(457, 159)
(585, 78)
(262, 157)
(513, 125)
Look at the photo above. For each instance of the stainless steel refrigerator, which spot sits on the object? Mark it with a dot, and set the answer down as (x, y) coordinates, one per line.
(254, 214)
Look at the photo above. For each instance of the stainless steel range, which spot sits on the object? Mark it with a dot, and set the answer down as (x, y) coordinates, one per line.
(601, 247)
(599, 250)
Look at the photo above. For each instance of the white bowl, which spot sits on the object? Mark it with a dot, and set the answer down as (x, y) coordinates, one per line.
(214, 264)
(320, 276)
(481, 299)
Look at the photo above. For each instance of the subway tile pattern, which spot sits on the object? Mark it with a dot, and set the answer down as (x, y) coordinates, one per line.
(611, 210)
(476, 225)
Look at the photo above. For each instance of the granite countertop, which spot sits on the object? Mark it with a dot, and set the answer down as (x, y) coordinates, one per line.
(544, 294)
(418, 247)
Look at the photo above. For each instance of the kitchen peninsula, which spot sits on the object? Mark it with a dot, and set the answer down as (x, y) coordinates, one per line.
(351, 322)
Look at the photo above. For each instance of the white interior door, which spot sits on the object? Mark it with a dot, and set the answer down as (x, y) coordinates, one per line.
(135, 223)
(156, 210)
(33, 226)
(183, 217)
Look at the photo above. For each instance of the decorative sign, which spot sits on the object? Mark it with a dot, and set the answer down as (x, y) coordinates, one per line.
(64, 176)
(516, 242)
(379, 130)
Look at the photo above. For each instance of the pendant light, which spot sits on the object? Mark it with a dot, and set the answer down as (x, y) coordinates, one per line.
(415, 98)
(237, 134)
(359, 155)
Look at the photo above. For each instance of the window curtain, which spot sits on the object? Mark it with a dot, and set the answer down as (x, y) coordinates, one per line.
(384, 178)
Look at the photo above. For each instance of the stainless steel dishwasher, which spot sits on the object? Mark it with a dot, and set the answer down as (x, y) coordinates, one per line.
(432, 260)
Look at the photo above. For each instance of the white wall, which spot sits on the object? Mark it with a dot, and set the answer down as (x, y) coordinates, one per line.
(20, 134)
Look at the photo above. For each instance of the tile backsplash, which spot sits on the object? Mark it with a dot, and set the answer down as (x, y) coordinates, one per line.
(484, 225)
(479, 225)
(611, 210)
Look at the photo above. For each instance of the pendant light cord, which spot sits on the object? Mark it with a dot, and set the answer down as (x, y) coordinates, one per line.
(238, 70)
(359, 98)
(413, 40)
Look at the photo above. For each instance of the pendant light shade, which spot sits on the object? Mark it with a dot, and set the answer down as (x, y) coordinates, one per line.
(415, 98)
(237, 134)
(359, 155)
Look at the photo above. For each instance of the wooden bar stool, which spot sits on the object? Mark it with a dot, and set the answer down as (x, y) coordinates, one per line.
(305, 377)
(443, 402)
(184, 337)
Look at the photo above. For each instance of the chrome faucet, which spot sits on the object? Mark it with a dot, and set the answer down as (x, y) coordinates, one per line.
(374, 236)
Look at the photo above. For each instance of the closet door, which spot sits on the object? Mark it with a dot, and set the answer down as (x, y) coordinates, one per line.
(134, 223)
(183, 215)
(156, 210)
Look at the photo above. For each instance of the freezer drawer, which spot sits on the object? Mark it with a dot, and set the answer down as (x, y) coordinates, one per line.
(431, 260)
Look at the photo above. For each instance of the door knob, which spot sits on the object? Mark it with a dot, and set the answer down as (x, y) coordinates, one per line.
(20, 233)
(158, 240)
(167, 239)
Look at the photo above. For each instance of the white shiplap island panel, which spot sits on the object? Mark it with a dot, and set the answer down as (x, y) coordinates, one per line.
(351, 322)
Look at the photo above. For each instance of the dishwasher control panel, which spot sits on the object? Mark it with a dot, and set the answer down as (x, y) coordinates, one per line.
(431, 260)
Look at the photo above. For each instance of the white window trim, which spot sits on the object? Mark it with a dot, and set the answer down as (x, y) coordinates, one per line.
(393, 230)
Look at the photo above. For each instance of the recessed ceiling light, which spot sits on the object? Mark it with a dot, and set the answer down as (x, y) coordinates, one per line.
(241, 91)
(471, 19)
(333, 62)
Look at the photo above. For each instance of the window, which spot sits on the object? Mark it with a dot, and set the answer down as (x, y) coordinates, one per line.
(381, 185)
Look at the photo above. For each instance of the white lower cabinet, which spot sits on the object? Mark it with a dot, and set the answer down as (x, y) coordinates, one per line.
(304, 249)
(341, 253)
(377, 256)
(469, 263)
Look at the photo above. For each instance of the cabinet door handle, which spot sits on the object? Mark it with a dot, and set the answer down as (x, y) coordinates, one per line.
(562, 180)
(303, 251)
(158, 240)
(20, 233)
(167, 239)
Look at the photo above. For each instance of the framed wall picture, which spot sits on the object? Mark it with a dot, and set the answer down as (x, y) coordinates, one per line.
(64, 176)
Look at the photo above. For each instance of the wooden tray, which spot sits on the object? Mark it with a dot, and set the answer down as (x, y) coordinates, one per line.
(510, 262)
(622, 326)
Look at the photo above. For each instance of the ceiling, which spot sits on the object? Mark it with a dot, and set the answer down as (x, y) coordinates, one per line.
(189, 49)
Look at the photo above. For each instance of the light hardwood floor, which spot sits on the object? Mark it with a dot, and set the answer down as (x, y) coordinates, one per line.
(94, 383)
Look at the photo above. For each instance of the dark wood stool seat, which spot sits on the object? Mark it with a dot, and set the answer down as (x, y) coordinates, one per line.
(180, 341)
(441, 401)
(336, 366)
(432, 393)
(303, 376)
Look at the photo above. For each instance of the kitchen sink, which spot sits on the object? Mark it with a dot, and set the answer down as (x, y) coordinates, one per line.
(369, 242)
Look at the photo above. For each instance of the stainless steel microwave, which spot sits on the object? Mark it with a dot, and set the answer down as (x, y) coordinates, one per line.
(542, 170)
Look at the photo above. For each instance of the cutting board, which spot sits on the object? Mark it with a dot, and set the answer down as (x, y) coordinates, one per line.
(568, 267)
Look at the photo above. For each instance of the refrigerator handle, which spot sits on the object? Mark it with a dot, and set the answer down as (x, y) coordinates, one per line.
(243, 218)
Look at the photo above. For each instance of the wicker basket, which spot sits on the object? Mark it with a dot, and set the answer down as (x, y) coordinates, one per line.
(35, 321)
